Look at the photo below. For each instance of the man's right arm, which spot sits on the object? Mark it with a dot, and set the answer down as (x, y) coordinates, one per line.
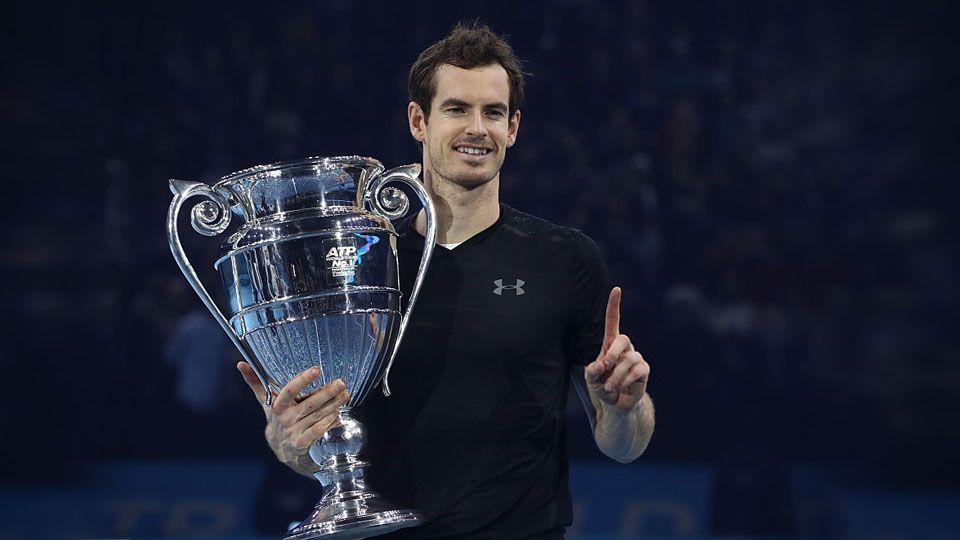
(292, 425)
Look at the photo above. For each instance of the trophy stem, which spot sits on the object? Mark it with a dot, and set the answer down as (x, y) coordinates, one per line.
(348, 509)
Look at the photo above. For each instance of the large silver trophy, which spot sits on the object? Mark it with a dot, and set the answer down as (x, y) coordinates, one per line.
(311, 279)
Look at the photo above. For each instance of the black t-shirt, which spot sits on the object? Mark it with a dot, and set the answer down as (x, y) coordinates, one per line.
(473, 436)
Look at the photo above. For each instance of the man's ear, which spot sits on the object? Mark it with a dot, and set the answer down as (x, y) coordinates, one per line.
(514, 128)
(417, 121)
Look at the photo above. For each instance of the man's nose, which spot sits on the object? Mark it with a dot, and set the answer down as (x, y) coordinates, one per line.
(476, 125)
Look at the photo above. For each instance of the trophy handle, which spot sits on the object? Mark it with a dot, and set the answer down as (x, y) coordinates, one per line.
(209, 218)
(393, 203)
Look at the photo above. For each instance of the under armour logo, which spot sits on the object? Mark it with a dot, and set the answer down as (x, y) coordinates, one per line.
(500, 287)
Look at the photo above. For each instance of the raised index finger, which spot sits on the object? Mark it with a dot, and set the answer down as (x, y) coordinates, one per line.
(611, 326)
(288, 394)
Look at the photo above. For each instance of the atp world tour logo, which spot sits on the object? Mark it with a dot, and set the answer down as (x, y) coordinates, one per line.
(345, 254)
(518, 288)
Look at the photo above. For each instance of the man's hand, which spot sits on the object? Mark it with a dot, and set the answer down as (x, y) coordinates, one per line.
(292, 424)
(618, 377)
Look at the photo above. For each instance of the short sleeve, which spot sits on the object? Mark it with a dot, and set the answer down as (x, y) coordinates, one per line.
(590, 291)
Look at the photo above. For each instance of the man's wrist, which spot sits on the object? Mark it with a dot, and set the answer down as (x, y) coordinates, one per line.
(611, 414)
(623, 434)
(618, 412)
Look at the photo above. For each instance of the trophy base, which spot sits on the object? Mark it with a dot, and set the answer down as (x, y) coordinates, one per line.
(348, 509)
(358, 515)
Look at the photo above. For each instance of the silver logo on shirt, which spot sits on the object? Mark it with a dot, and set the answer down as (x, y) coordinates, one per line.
(518, 288)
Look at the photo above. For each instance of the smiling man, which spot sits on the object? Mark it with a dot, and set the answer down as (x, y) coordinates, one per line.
(512, 311)
(466, 139)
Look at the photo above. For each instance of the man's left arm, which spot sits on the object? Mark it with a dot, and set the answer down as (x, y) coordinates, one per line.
(616, 387)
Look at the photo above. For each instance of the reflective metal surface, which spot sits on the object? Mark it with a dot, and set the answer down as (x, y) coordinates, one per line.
(311, 279)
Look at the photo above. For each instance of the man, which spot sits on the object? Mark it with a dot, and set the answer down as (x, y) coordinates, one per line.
(510, 313)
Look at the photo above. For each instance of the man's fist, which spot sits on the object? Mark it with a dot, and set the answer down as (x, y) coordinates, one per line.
(293, 425)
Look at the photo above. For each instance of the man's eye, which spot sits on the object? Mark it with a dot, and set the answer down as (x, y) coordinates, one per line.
(455, 109)
(495, 114)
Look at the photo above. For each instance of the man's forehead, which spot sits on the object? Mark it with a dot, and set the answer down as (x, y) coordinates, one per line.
(489, 83)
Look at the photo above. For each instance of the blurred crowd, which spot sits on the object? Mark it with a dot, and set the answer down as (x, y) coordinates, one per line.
(759, 177)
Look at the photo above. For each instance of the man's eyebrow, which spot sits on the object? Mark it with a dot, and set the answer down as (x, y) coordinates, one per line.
(502, 107)
(452, 102)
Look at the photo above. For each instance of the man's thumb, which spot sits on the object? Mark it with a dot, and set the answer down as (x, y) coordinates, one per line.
(252, 381)
(594, 370)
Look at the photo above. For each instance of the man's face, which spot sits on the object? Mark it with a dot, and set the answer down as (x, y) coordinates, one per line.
(469, 129)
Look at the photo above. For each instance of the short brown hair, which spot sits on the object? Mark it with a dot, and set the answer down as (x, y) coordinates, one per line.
(467, 47)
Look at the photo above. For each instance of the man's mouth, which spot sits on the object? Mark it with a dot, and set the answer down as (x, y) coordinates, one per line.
(472, 151)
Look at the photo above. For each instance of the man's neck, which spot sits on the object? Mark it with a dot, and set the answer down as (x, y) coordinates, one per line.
(461, 212)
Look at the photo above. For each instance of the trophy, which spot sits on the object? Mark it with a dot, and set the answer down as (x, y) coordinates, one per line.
(311, 279)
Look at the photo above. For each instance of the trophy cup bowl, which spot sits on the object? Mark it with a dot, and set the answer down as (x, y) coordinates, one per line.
(311, 279)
